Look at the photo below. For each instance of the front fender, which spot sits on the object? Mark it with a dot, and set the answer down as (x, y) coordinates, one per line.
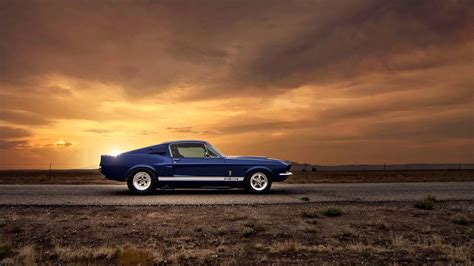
(259, 168)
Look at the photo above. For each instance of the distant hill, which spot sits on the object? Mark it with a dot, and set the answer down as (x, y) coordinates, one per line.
(379, 167)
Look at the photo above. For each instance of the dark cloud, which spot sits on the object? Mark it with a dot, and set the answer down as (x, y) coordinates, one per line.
(181, 129)
(23, 117)
(101, 130)
(12, 132)
(63, 144)
(7, 145)
(154, 46)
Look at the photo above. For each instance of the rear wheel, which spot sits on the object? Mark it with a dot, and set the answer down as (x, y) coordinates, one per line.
(142, 182)
(258, 183)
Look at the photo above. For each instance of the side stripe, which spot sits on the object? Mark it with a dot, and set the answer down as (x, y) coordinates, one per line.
(201, 178)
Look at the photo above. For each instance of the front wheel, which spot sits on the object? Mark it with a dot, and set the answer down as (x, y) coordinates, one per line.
(141, 182)
(258, 183)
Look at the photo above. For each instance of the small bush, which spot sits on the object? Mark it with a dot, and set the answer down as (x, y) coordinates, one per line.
(305, 199)
(345, 233)
(461, 219)
(332, 212)
(470, 232)
(16, 229)
(426, 203)
(5, 250)
(310, 214)
(248, 231)
(255, 225)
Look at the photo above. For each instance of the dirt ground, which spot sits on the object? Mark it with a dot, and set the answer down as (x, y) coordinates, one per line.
(242, 234)
(95, 177)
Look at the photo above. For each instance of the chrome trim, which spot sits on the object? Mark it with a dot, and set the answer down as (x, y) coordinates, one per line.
(201, 178)
(287, 173)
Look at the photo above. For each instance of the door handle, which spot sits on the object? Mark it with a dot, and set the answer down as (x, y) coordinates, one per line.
(175, 160)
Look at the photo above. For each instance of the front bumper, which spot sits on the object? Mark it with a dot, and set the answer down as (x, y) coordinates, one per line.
(282, 176)
(285, 174)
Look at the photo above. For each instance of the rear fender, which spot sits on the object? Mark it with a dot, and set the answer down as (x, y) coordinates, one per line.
(141, 166)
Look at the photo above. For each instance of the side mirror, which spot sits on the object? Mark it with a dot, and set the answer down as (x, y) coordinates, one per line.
(207, 155)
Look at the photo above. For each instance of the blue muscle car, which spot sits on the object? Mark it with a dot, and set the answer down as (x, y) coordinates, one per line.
(191, 164)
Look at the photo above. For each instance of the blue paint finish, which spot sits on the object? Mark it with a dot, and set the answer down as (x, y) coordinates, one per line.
(158, 159)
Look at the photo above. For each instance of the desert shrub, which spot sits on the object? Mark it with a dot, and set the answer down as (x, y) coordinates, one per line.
(16, 229)
(248, 231)
(332, 212)
(345, 233)
(5, 250)
(461, 219)
(310, 214)
(305, 199)
(255, 225)
(470, 232)
(425, 203)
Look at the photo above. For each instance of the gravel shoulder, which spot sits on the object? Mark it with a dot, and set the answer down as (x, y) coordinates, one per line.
(71, 195)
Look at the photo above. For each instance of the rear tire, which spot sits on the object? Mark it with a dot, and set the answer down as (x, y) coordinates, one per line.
(258, 182)
(142, 182)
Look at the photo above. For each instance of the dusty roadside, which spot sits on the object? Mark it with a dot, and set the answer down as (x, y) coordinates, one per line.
(287, 233)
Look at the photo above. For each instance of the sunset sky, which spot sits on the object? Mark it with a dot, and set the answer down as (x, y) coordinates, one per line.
(325, 82)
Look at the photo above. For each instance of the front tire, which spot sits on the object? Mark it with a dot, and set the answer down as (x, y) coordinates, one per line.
(142, 182)
(258, 183)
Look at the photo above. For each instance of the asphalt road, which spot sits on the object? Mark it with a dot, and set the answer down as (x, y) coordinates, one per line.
(280, 193)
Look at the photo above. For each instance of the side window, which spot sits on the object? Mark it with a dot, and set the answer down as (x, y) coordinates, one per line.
(211, 152)
(188, 150)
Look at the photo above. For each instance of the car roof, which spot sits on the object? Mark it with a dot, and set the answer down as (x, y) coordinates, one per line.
(181, 141)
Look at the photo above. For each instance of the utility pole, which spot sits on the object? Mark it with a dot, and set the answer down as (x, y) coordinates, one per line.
(385, 169)
(50, 170)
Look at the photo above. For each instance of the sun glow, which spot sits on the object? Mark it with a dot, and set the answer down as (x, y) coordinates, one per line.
(114, 152)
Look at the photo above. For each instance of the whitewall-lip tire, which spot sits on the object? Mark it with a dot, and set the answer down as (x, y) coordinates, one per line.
(141, 182)
(258, 182)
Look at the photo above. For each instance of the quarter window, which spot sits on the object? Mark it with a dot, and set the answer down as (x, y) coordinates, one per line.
(188, 150)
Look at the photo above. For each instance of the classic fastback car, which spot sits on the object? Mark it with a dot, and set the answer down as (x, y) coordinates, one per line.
(191, 164)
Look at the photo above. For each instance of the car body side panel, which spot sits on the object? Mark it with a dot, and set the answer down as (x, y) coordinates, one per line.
(183, 167)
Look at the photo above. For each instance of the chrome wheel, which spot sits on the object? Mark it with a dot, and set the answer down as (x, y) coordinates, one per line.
(141, 181)
(258, 181)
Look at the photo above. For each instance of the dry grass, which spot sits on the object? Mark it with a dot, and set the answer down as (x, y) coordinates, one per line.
(192, 257)
(138, 256)
(456, 254)
(288, 246)
(84, 254)
(27, 256)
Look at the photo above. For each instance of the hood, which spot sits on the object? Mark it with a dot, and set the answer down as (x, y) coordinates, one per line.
(257, 158)
(247, 157)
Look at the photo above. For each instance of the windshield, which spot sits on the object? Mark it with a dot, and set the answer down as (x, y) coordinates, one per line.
(214, 150)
